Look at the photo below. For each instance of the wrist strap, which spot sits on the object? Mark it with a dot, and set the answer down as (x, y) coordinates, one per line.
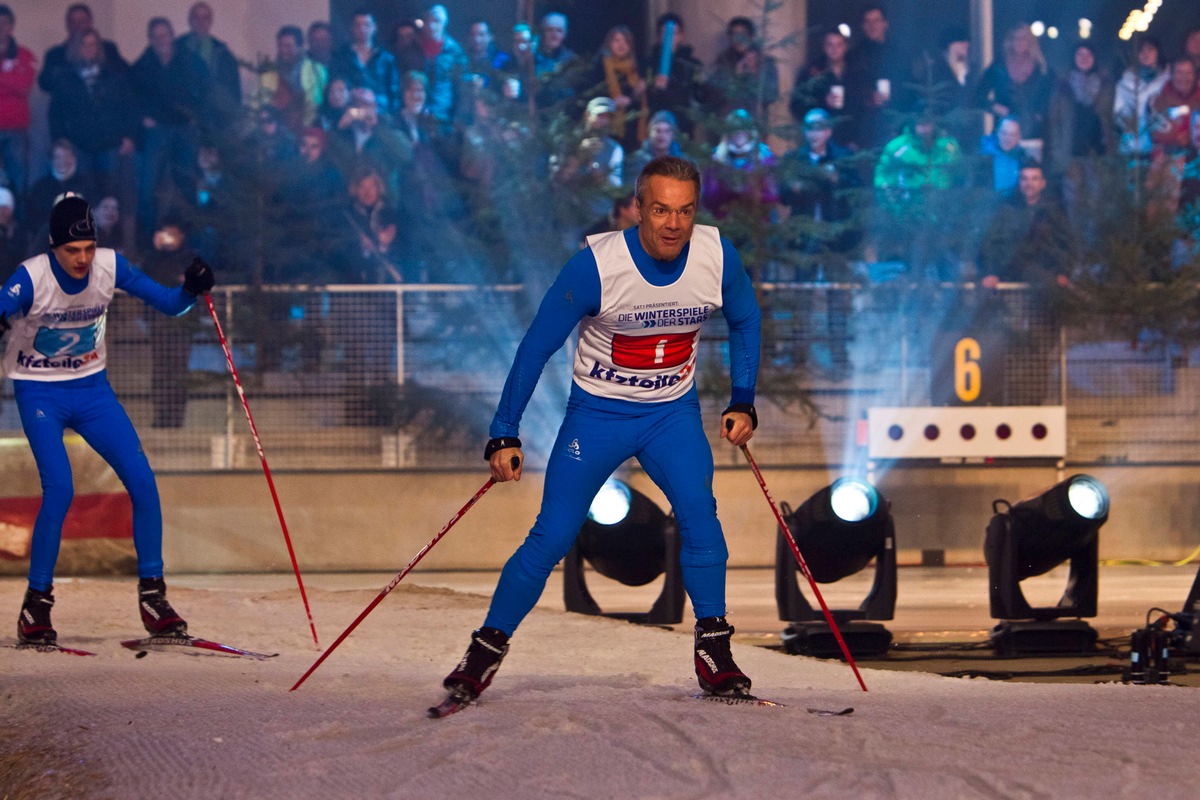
(744, 408)
(499, 443)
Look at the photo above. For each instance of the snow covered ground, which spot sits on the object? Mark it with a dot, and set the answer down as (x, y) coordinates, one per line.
(583, 708)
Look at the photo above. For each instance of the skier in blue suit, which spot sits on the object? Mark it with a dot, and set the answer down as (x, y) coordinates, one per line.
(639, 298)
(53, 310)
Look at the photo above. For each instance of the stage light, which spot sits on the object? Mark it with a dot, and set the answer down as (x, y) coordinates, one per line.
(839, 530)
(611, 503)
(853, 501)
(1032, 537)
(844, 30)
(626, 538)
(1037, 28)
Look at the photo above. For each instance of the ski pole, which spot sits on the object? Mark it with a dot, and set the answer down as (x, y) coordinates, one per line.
(266, 470)
(800, 560)
(399, 577)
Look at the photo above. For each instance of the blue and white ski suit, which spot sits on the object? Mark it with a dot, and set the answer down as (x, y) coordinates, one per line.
(633, 394)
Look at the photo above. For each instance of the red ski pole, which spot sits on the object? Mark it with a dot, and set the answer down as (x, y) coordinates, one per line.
(803, 566)
(396, 580)
(266, 470)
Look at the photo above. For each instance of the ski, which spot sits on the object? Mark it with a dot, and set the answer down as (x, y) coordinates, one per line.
(154, 642)
(737, 699)
(831, 712)
(50, 648)
(453, 703)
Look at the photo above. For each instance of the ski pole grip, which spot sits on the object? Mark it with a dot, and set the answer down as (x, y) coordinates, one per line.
(515, 462)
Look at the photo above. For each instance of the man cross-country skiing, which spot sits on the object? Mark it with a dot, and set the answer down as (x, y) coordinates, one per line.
(633, 394)
(54, 309)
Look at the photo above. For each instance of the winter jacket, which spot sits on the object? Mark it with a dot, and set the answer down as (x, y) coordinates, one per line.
(379, 74)
(171, 93)
(1131, 108)
(1079, 130)
(16, 79)
(94, 119)
(445, 71)
(314, 79)
(56, 59)
(222, 64)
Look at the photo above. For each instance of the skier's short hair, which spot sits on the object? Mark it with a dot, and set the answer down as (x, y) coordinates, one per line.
(679, 169)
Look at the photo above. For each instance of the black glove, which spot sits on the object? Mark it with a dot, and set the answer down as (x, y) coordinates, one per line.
(198, 278)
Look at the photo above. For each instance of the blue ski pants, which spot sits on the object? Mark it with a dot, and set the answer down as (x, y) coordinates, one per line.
(89, 407)
(596, 437)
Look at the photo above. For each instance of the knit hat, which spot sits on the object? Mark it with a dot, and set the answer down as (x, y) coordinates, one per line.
(71, 221)
(817, 118)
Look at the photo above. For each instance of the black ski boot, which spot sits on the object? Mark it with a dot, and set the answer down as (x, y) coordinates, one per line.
(479, 664)
(157, 615)
(33, 624)
(715, 668)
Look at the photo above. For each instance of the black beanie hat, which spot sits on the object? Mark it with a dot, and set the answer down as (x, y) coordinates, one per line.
(71, 221)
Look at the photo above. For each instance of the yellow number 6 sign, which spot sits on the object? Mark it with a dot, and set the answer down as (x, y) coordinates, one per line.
(968, 377)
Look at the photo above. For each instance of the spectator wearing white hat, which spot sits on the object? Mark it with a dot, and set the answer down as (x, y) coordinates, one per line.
(599, 158)
(593, 169)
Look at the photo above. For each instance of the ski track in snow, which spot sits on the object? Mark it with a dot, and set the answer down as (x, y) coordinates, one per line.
(583, 707)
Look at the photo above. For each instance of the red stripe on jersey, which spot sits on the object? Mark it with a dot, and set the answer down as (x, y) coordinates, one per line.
(656, 351)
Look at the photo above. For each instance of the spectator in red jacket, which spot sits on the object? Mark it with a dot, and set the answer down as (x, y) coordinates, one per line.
(16, 79)
(1170, 127)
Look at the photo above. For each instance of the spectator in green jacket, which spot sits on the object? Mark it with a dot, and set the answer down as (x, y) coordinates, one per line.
(296, 87)
(922, 156)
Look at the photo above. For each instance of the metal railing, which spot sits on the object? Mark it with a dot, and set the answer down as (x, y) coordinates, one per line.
(387, 377)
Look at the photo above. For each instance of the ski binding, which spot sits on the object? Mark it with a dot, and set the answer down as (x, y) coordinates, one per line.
(454, 702)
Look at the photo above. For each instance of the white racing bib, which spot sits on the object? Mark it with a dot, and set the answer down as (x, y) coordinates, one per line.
(62, 336)
(642, 344)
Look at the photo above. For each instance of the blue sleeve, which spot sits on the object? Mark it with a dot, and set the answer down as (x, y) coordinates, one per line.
(173, 302)
(740, 307)
(16, 298)
(574, 295)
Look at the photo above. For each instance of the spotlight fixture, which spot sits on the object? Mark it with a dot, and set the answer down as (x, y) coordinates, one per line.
(839, 530)
(1032, 537)
(627, 538)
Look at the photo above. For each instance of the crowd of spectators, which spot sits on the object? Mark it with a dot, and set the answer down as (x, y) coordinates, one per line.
(381, 143)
